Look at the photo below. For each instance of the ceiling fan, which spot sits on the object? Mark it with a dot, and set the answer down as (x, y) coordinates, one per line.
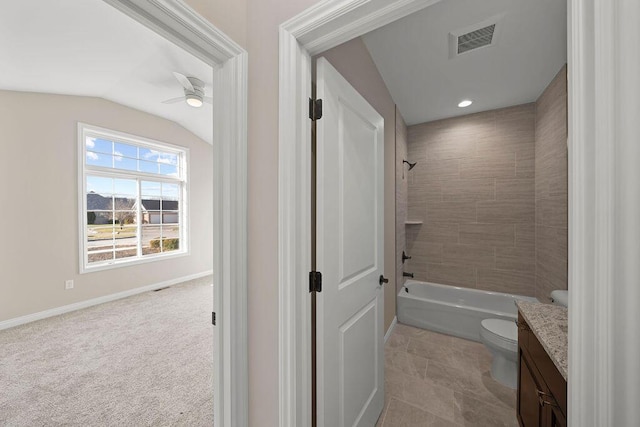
(193, 91)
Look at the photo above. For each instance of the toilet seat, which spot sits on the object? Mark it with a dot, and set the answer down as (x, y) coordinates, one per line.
(501, 333)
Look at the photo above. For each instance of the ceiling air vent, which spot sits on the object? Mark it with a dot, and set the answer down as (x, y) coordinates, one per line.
(474, 37)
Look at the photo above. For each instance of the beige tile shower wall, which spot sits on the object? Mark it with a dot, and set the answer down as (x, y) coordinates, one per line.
(473, 188)
(551, 191)
(402, 189)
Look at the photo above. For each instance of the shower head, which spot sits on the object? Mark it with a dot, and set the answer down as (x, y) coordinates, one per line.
(411, 165)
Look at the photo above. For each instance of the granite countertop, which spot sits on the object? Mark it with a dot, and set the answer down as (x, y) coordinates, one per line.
(549, 324)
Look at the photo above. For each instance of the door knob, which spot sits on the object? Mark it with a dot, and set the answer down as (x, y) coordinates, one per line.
(383, 280)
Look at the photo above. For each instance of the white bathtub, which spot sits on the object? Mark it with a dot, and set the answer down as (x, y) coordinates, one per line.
(452, 310)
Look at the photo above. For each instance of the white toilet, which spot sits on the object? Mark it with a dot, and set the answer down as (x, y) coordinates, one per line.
(501, 338)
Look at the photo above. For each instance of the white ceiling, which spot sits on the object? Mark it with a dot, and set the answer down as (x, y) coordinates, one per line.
(412, 55)
(88, 48)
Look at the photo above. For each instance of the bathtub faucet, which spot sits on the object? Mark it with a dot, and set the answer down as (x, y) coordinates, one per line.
(405, 274)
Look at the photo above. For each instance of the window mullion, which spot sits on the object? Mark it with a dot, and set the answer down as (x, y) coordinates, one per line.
(113, 219)
(139, 218)
(85, 218)
(161, 220)
(121, 173)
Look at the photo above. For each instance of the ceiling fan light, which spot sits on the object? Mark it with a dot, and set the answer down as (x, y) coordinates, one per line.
(194, 101)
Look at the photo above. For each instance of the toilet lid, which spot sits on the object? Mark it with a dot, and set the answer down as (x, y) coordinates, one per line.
(503, 328)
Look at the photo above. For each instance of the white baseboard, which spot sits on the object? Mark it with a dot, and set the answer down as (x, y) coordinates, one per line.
(394, 322)
(17, 321)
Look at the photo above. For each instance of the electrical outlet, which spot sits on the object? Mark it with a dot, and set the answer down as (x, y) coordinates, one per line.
(68, 284)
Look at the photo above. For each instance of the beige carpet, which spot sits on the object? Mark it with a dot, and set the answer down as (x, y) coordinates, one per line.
(140, 361)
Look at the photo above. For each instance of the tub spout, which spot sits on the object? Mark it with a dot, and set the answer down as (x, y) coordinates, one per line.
(405, 274)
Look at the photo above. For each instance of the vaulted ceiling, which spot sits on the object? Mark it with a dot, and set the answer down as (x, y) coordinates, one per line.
(88, 48)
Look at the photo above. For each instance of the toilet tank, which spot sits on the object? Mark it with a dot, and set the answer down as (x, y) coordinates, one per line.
(561, 298)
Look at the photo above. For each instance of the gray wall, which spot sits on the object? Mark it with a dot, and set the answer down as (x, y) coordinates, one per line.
(39, 174)
(551, 188)
(473, 188)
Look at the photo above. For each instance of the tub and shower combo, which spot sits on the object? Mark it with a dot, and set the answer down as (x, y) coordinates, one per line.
(452, 310)
(483, 316)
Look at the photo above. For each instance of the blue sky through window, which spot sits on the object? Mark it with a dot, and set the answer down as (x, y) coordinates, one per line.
(109, 186)
(116, 155)
(127, 187)
(170, 191)
(99, 145)
(126, 150)
(100, 185)
(150, 190)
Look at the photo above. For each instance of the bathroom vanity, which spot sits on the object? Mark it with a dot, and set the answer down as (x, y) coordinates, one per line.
(542, 368)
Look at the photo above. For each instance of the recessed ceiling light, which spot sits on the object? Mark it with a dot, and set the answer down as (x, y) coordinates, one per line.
(465, 103)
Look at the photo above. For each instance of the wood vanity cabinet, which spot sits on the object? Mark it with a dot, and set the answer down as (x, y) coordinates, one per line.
(542, 390)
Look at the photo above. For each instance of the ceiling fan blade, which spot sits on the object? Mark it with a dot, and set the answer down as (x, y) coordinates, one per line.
(174, 100)
(208, 99)
(184, 81)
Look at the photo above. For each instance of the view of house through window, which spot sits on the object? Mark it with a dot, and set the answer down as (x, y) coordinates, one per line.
(134, 198)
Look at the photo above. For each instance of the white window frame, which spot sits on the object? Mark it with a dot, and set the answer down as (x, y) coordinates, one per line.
(85, 131)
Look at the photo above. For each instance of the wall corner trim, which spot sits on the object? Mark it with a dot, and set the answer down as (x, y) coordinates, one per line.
(392, 326)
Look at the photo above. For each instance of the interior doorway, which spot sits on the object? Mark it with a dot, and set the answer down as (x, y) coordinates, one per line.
(172, 36)
(333, 23)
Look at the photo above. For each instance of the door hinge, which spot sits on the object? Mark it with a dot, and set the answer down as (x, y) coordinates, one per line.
(315, 281)
(315, 109)
(213, 318)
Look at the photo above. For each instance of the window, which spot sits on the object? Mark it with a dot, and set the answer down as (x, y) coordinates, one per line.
(133, 199)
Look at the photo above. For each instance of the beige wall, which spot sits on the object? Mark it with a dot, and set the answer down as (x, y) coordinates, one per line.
(473, 188)
(263, 20)
(402, 190)
(257, 22)
(261, 23)
(353, 61)
(39, 176)
(551, 188)
(229, 16)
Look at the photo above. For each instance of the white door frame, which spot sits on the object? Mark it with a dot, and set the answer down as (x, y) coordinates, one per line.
(604, 206)
(180, 24)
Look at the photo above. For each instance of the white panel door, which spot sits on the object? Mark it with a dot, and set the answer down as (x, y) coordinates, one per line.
(349, 254)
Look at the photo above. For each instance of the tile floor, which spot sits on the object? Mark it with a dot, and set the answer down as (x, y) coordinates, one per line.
(438, 380)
